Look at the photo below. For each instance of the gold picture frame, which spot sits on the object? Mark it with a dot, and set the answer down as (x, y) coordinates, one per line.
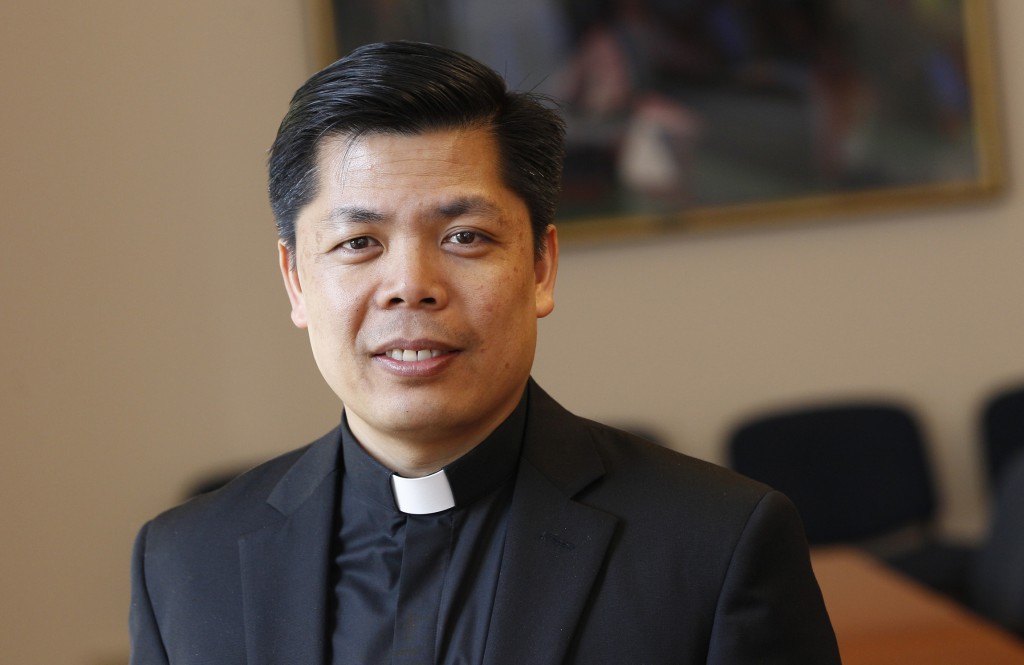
(858, 112)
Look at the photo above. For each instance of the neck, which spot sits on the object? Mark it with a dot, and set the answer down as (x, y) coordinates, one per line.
(420, 452)
(415, 456)
(412, 460)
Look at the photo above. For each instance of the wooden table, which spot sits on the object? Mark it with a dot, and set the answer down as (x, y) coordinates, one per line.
(882, 618)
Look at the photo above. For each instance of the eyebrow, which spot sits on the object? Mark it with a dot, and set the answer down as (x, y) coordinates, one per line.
(357, 214)
(467, 205)
(464, 205)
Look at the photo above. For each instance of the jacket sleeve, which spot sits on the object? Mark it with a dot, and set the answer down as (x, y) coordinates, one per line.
(146, 644)
(770, 610)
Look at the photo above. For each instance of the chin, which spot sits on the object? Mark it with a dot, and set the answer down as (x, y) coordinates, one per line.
(426, 418)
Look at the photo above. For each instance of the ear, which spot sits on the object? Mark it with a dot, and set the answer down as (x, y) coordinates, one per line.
(545, 270)
(290, 274)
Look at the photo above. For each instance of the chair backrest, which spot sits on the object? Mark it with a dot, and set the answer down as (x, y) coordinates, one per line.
(997, 579)
(854, 470)
(1002, 430)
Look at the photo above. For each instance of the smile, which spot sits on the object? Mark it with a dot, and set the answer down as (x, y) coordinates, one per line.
(409, 355)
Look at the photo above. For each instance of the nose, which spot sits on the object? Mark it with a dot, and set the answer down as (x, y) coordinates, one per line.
(413, 277)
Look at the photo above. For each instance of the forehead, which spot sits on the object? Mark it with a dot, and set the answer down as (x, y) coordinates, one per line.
(466, 158)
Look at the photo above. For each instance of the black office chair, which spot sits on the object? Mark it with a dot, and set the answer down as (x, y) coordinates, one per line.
(858, 473)
(997, 575)
(1002, 430)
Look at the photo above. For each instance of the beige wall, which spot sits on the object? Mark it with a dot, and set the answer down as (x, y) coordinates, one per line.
(145, 337)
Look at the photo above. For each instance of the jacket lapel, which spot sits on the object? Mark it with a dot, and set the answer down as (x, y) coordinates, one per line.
(555, 546)
(285, 564)
(554, 550)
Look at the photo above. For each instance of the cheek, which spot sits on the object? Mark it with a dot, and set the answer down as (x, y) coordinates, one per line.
(334, 310)
(506, 309)
(501, 295)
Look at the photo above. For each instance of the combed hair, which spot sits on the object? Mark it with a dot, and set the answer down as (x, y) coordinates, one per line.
(410, 88)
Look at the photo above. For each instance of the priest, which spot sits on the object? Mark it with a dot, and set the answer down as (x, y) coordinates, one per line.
(457, 514)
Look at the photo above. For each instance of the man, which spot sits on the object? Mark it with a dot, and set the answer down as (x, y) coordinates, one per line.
(457, 514)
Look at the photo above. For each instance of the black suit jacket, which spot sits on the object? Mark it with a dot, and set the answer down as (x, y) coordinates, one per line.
(617, 552)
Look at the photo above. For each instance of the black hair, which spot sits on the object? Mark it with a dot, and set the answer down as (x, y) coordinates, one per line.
(411, 88)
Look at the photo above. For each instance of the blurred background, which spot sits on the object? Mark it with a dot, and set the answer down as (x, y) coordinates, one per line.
(146, 341)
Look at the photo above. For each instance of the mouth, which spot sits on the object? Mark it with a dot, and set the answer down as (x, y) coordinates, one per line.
(413, 355)
(411, 350)
(415, 360)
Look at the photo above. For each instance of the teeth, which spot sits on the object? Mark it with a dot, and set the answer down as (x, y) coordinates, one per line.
(408, 355)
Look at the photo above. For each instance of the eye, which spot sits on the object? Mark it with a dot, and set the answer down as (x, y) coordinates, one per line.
(463, 237)
(355, 244)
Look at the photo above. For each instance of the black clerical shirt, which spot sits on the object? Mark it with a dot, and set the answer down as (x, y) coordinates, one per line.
(419, 589)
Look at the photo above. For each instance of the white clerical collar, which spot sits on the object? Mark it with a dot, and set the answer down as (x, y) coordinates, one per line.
(423, 496)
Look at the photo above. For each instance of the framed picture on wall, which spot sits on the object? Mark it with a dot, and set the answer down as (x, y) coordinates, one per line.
(706, 113)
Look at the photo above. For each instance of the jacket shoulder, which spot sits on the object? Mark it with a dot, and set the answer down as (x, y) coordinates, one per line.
(623, 470)
(630, 459)
(651, 477)
(244, 503)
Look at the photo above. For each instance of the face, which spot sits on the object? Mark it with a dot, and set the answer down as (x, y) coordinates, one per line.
(416, 277)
